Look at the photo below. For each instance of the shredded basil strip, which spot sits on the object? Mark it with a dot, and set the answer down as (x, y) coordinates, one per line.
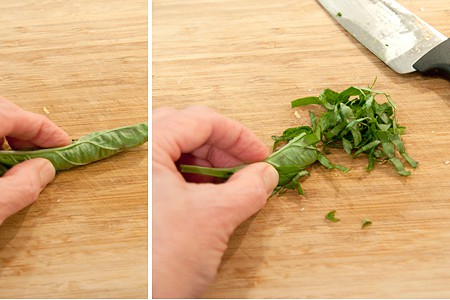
(365, 223)
(331, 216)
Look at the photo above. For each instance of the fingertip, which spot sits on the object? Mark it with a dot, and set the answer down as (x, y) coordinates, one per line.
(253, 185)
(270, 177)
(261, 176)
(51, 136)
(47, 172)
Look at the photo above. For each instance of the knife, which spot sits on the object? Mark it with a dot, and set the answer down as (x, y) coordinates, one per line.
(395, 35)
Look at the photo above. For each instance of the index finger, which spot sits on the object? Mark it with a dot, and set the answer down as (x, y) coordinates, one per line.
(186, 130)
(28, 127)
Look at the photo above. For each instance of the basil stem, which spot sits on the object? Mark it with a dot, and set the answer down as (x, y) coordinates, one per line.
(222, 173)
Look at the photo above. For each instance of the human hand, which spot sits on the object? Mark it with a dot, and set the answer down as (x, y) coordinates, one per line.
(21, 185)
(192, 222)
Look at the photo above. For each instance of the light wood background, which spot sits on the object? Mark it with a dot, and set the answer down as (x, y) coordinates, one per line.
(84, 64)
(248, 59)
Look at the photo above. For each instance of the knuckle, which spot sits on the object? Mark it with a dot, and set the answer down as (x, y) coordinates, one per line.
(201, 109)
(163, 110)
(162, 113)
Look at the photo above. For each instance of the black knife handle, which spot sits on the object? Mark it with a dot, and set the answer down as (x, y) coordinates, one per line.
(436, 61)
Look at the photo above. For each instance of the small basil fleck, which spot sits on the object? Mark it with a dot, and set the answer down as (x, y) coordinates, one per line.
(365, 223)
(331, 216)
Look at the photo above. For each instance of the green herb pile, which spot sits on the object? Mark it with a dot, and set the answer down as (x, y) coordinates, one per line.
(353, 120)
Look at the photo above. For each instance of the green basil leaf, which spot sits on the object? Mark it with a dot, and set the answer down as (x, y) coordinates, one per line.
(90, 148)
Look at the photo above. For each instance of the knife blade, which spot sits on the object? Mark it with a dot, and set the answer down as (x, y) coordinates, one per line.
(395, 35)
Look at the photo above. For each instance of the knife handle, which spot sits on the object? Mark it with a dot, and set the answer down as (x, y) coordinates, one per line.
(436, 61)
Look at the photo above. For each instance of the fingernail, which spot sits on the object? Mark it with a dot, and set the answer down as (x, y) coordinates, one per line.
(47, 173)
(270, 178)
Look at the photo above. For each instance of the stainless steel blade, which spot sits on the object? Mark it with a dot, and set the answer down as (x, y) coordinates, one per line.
(387, 29)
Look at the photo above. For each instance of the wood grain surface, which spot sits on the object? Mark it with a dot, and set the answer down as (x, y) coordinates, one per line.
(84, 65)
(248, 59)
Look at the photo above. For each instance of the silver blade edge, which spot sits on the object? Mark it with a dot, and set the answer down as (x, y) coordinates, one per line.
(390, 31)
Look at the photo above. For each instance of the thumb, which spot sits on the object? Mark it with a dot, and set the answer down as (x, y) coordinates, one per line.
(248, 189)
(22, 184)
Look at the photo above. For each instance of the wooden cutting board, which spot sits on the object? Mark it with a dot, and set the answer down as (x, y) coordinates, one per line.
(83, 64)
(248, 59)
